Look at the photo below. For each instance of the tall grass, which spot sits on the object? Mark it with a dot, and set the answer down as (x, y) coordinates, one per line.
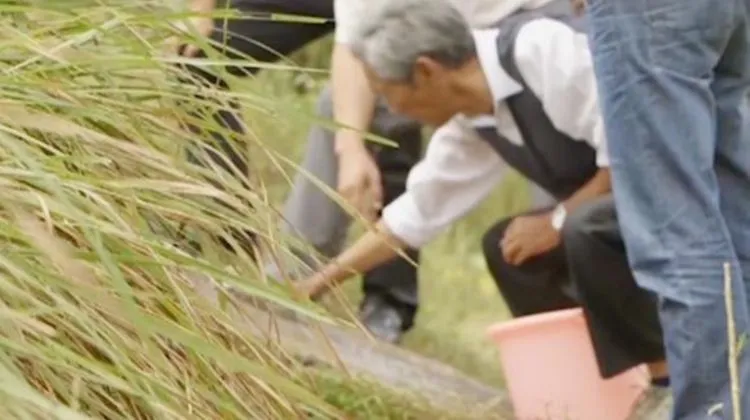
(98, 316)
(100, 214)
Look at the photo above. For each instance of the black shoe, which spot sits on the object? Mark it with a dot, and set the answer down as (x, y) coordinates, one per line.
(383, 320)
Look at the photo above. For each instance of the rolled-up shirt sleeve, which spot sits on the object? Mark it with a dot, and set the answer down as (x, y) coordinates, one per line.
(556, 64)
(457, 172)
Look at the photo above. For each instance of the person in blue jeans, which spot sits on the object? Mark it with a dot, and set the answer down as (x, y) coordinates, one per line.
(673, 77)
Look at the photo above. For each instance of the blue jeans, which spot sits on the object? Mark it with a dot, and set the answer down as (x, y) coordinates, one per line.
(673, 77)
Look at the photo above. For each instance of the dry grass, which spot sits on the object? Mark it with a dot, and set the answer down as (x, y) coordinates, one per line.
(97, 322)
(94, 196)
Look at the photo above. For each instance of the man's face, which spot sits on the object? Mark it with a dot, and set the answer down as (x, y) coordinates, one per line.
(426, 98)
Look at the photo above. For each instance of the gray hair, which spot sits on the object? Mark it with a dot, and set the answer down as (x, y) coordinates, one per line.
(394, 33)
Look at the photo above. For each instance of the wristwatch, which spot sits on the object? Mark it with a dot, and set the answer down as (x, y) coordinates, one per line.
(558, 217)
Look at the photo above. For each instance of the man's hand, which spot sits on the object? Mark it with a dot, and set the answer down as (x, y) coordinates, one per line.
(353, 106)
(313, 287)
(527, 237)
(374, 248)
(203, 25)
(359, 181)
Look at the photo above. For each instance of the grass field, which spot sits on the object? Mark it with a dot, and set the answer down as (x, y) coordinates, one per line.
(459, 298)
(99, 318)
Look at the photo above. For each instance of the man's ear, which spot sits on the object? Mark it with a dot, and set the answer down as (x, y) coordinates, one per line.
(579, 6)
(424, 69)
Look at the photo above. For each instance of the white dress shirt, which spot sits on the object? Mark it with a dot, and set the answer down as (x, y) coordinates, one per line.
(459, 169)
(478, 13)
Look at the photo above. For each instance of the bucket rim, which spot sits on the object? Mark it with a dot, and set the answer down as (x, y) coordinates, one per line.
(505, 328)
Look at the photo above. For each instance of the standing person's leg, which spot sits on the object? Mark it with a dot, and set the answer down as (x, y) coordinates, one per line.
(263, 40)
(391, 290)
(309, 213)
(731, 88)
(658, 65)
(534, 287)
(623, 318)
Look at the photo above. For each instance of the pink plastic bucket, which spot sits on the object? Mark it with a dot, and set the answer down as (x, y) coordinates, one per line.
(551, 371)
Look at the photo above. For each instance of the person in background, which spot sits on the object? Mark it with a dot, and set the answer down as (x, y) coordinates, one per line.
(367, 175)
(265, 40)
(674, 79)
(342, 158)
(522, 95)
(343, 163)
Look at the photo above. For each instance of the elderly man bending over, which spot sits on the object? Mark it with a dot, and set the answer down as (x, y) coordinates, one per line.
(521, 95)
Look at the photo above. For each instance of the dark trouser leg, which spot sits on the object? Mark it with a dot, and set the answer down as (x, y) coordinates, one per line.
(531, 288)
(623, 319)
(396, 280)
(263, 41)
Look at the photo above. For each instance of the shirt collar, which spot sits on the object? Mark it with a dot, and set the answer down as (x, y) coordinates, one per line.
(500, 83)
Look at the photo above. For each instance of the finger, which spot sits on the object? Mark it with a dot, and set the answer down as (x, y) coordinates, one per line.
(375, 203)
(376, 187)
(510, 249)
(504, 240)
(318, 290)
(508, 237)
(190, 50)
(512, 229)
(523, 255)
(349, 194)
(516, 257)
(356, 200)
(360, 197)
(304, 289)
(371, 213)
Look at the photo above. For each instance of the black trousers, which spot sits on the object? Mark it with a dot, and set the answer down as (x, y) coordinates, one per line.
(590, 270)
(265, 40)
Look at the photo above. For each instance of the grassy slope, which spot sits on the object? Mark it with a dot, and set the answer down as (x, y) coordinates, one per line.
(366, 400)
(113, 310)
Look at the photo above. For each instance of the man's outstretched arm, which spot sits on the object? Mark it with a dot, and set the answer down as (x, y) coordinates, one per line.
(457, 173)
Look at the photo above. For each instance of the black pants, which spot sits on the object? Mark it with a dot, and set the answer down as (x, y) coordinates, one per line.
(396, 280)
(590, 269)
(265, 40)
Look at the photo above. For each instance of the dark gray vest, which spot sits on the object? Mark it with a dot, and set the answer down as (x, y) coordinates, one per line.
(551, 159)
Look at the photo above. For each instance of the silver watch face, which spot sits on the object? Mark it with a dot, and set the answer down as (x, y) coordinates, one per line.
(558, 217)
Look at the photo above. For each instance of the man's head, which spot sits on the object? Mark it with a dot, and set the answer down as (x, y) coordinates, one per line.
(415, 53)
